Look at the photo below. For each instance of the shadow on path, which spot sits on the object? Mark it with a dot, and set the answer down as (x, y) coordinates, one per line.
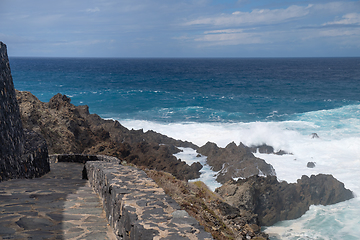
(59, 205)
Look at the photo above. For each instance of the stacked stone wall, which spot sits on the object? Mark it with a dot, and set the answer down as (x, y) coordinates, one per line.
(23, 154)
(135, 206)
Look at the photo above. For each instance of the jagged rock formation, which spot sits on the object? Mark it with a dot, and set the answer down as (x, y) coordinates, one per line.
(219, 218)
(22, 153)
(234, 162)
(275, 201)
(264, 148)
(72, 129)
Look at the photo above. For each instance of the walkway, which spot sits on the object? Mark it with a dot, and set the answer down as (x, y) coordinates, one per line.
(59, 205)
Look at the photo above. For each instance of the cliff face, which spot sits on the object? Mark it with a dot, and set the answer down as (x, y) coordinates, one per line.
(72, 129)
(20, 150)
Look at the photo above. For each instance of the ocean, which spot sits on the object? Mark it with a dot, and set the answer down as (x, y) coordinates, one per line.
(275, 101)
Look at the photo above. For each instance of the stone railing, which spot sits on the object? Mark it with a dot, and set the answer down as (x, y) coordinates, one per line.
(136, 207)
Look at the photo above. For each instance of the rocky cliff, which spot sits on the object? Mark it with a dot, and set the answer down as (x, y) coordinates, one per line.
(275, 201)
(22, 153)
(72, 129)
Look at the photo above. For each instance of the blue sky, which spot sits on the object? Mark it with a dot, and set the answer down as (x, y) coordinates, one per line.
(182, 28)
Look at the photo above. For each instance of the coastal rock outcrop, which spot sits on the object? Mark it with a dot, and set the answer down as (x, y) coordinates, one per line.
(234, 161)
(219, 218)
(72, 129)
(264, 148)
(23, 154)
(275, 201)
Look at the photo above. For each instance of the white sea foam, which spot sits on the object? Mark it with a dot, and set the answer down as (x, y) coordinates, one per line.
(335, 152)
(207, 176)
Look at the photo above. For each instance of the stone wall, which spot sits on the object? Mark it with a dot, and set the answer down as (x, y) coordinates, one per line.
(136, 207)
(11, 131)
(23, 154)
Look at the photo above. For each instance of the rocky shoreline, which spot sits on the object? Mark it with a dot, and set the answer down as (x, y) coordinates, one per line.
(237, 210)
(273, 201)
(30, 129)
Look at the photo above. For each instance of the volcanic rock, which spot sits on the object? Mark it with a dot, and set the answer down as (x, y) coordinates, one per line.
(219, 218)
(310, 165)
(314, 135)
(275, 201)
(72, 129)
(266, 149)
(234, 162)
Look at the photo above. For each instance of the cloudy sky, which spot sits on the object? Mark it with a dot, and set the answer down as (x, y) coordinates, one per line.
(181, 28)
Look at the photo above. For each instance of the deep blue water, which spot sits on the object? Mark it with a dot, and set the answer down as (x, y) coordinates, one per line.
(200, 90)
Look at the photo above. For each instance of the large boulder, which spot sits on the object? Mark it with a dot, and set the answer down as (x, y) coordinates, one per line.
(234, 162)
(275, 201)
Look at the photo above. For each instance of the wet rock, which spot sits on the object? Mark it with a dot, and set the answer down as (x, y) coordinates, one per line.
(275, 201)
(266, 149)
(234, 161)
(310, 165)
(314, 135)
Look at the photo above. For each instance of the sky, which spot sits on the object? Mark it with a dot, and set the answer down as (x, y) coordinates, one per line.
(181, 28)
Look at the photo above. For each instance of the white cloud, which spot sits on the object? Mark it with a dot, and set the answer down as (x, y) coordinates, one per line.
(257, 16)
(229, 37)
(339, 32)
(347, 19)
(92, 10)
(80, 43)
(333, 6)
(224, 31)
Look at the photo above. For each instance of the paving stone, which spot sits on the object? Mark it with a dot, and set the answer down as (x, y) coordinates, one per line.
(76, 229)
(33, 223)
(95, 236)
(29, 213)
(93, 219)
(38, 234)
(68, 217)
(52, 207)
(6, 231)
(56, 217)
(72, 235)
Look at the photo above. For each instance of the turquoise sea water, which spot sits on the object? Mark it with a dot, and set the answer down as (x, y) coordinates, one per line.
(279, 102)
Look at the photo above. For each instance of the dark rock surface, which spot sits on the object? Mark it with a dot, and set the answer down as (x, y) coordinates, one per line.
(11, 131)
(310, 164)
(72, 129)
(275, 201)
(314, 135)
(264, 148)
(35, 156)
(219, 218)
(234, 161)
(22, 154)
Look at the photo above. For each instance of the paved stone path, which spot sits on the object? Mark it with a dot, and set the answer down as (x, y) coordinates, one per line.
(59, 205)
